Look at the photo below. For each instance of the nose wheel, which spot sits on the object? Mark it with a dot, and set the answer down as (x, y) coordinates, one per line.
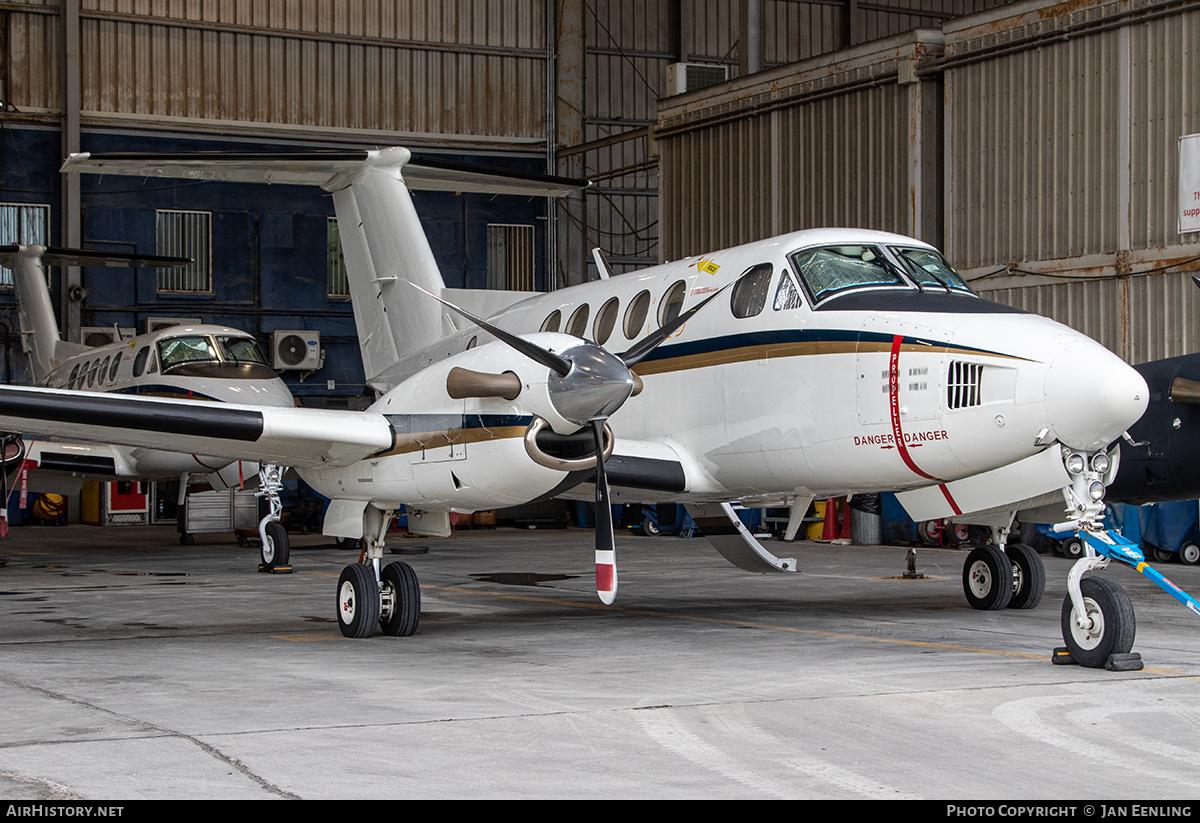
(1104, 628)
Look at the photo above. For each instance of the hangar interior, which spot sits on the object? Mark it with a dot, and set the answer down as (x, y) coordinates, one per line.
(1035, 142)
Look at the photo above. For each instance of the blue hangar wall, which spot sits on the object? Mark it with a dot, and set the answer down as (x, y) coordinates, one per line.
(268, 248)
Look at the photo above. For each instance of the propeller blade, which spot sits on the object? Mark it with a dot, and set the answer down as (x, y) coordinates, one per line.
(560, 365)
(651, 342)
(606, 552)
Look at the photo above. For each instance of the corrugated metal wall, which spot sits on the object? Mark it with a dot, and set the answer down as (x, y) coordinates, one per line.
(1062, 158)
(629, 45)
(826, 142)
(308, 67)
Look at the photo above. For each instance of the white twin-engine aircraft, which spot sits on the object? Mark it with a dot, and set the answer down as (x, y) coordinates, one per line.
(816, 364)
(198, 362)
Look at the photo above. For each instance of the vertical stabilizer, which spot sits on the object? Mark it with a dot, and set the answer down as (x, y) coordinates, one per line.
(39, 329)
(384, 245)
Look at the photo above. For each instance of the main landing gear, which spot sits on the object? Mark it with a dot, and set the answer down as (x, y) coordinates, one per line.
(368, 596)
(1003, 576)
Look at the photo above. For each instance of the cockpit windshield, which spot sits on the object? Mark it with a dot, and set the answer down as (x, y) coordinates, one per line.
(831, 269)
(201, 355)
(241, 350)
(930, 269)
(176, 351)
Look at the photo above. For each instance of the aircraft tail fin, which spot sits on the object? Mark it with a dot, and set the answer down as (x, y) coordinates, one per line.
(40, 336)
(382, 240)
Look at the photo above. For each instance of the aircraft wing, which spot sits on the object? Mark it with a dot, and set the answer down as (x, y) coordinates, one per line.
(288, 436)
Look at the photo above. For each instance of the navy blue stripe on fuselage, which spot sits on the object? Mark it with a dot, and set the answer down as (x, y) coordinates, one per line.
(783, 343)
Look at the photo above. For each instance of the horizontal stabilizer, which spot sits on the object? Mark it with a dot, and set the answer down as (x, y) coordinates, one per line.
(55, 256)
(331, 170)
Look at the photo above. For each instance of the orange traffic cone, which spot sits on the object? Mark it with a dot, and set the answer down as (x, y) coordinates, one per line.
(844, 538)
(830, 530)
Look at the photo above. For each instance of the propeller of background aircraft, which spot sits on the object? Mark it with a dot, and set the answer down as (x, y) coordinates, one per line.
(587, 385)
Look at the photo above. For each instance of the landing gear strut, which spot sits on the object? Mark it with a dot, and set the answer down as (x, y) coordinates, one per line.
(276, 548)
(1098, 623)
(368, 596)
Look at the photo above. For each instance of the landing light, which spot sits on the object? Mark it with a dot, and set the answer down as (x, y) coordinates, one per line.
(1101, 463)
(1096, 490)
(1076, 463)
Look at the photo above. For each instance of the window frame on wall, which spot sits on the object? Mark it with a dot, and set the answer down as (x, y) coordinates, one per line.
(337, 283)
(22, 223)
(511, 261)
(191, 237)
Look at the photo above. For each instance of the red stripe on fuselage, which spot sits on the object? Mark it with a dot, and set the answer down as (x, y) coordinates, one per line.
(894, 403)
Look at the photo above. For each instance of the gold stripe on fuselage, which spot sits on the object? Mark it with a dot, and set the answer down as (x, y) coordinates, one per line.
(772, 351)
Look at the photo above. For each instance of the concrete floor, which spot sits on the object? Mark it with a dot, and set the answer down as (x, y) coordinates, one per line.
(132, 667)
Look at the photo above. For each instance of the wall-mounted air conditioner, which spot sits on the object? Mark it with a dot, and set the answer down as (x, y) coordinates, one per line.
(295, 350)
(683, 77)
(103, 335)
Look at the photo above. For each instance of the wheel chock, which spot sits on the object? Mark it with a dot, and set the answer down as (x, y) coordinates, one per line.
(1131, 662)
(1062, 657)
(263, 568)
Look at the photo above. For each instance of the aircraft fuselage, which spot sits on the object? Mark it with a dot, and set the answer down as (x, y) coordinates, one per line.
(885, 383)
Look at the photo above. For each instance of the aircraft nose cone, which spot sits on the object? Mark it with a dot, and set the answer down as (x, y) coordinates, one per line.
(1092, 396)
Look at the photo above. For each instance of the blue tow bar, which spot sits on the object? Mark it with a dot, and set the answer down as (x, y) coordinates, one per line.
(1115, 547)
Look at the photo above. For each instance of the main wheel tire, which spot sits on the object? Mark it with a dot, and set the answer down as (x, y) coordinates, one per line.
(276, 549)
(1029, 578)
(358, 601)
(1189, 553)
(1113, 623)
(401, 588)
(1073, 548)
(987, 578)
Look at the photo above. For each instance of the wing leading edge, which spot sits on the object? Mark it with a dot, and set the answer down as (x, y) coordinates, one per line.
(289, 436)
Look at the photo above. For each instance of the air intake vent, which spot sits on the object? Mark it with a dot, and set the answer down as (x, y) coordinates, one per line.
(962, 385)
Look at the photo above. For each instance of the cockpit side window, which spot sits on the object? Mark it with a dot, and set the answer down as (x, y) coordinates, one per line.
(930, 269)
(832, 269)
(787, 295)
(750, 292)
(139, 361)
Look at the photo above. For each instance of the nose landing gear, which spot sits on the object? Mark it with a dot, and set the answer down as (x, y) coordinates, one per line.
(1098, 623)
